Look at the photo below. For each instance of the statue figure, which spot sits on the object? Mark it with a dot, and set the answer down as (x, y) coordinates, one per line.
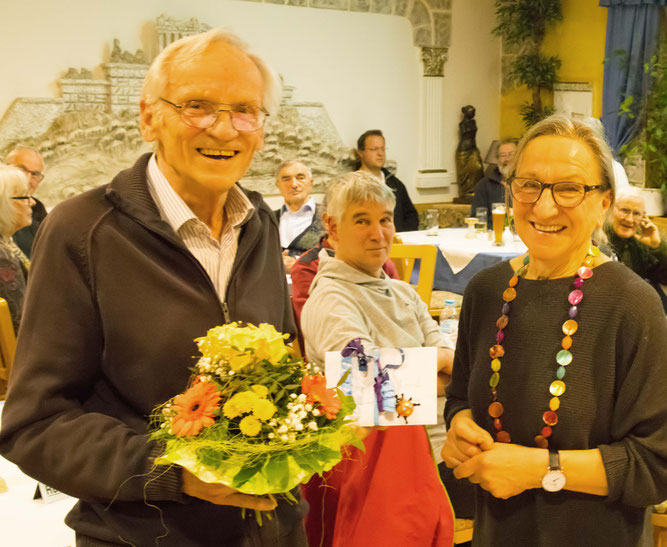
(116, 52)
(469, 167)
(139, 57)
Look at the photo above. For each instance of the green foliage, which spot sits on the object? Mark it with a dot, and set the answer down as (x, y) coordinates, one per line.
(524, 23)
(651, 142)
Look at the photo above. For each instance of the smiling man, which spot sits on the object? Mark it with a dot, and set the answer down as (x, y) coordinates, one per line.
(300, 218)
(124, 278)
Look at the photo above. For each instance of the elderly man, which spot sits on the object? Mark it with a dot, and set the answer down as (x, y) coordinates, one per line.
(372, 153)
(352, 297)
(31, 163)
(491, 188)
(125, 277)
(636, 240)
(299, 219)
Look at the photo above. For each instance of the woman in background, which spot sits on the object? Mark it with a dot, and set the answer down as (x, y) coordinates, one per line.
(15, 213)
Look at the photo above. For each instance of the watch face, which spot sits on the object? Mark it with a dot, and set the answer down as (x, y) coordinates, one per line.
(553, 481)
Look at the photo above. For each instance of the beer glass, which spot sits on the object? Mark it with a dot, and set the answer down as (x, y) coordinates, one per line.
(498, 217)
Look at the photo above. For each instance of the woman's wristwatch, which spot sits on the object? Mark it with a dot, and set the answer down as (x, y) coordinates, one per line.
(554, 480)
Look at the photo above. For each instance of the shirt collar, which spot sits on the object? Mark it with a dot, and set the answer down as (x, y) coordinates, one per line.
(176, 212)
(308, 206)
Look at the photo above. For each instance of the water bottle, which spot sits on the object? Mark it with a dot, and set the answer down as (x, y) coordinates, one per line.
(449, 321)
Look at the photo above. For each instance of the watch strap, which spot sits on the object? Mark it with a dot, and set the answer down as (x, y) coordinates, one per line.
(554, 459)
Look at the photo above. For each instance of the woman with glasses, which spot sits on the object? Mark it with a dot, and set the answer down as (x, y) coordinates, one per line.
(557, 406)
(636, 240)
(15, 213)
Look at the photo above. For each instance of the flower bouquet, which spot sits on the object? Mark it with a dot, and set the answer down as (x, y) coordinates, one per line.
(255, 417)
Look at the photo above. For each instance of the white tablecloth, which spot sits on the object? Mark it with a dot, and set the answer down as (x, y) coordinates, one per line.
(459, 250)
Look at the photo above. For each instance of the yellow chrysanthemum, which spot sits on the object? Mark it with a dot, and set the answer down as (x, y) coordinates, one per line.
(261, 390)
(250, 426)
(241, 403)
(263, 409)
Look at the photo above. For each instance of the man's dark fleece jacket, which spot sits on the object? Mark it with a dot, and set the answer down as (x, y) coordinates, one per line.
(114, 302)
(489, 190)
(406, 218)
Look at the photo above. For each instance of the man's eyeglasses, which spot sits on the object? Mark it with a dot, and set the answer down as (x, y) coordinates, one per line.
(37, 175)
(204, 114)
(625, 212)
(565, 194)
(23, 197)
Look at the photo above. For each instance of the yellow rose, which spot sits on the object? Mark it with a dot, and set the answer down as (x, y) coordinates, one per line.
(262, 391)
(240, 360)
(263, 409)
(250, 426)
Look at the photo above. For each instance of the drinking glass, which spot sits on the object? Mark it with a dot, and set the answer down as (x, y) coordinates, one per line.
(498, 216)
(481, 214)
(432, 222)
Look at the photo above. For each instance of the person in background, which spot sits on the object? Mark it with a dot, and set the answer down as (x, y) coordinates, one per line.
(372, 154)
(391, 493)
(15, 214)
(557, 406)
(491, 188)
(124, 278)
(636, 240)
(299, 219)
(31, 163)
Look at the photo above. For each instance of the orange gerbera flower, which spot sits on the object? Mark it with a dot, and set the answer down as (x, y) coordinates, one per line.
(195, 409)
(315, 388)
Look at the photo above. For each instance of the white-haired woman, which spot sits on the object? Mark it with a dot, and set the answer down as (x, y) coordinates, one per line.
(390, 494)
(15, 213)
(557, 406)
(636, 240)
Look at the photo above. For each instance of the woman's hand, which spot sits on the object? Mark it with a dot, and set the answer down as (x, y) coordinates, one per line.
(650, 235)
(445, 363)
(506, 469)
(465, 439)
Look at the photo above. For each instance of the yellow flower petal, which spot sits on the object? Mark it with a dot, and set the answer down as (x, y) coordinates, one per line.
(250, 426)
(263, 409)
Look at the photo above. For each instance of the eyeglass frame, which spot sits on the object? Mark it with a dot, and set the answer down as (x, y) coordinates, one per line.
(629, 212)
(23, 197)
(180, 107)
(37, 175)
(587, 188)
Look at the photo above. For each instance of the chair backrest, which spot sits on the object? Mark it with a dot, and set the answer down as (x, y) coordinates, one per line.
(404, 257)
(7, 341)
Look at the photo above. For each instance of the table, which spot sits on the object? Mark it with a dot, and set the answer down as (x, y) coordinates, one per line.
(460, 258)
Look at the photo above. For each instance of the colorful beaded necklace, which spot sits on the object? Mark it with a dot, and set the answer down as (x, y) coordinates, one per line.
(563, 357)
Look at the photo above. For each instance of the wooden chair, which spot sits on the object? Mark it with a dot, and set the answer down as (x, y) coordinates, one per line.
(7, 345)
(463, 531)
(659, 529)
(404, 257)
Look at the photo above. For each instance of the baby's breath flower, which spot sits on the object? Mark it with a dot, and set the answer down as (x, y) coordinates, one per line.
(283, 437)
(308, 407)
(282, 429)
(316, 412)
(313, 426)
(271, 435)
(299, 427)
(292, 395)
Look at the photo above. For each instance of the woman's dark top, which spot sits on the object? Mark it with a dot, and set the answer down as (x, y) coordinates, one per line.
(14, 266)
(615, 400)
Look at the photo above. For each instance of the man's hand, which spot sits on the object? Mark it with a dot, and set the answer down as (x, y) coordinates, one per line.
(465, 439)
(288, 262)
(650, 235)
(506, 469)
(223, 495)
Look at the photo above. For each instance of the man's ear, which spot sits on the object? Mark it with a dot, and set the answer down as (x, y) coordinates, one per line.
(332, 227)
(147, 121)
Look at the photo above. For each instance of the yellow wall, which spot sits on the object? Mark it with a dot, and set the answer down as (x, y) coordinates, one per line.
(579, 42)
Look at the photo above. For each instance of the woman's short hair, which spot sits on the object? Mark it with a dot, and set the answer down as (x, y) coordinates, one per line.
(578, 129)
(355, 187)
(13, 182)
(157, 77)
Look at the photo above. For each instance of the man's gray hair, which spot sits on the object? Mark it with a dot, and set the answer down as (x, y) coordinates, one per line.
(13, 181)
(630, 192)
(287, 163)
(157, 77)
(356, 187)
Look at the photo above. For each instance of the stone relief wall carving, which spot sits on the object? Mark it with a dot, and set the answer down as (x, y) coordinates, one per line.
(92, 131)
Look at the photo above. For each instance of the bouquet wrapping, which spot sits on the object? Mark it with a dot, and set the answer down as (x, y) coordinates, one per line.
(255, 417)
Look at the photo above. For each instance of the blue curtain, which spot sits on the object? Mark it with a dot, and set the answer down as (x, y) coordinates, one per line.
(632, 38)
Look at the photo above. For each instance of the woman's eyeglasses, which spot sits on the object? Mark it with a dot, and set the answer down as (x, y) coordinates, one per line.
(565, 194)
(23, 197)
